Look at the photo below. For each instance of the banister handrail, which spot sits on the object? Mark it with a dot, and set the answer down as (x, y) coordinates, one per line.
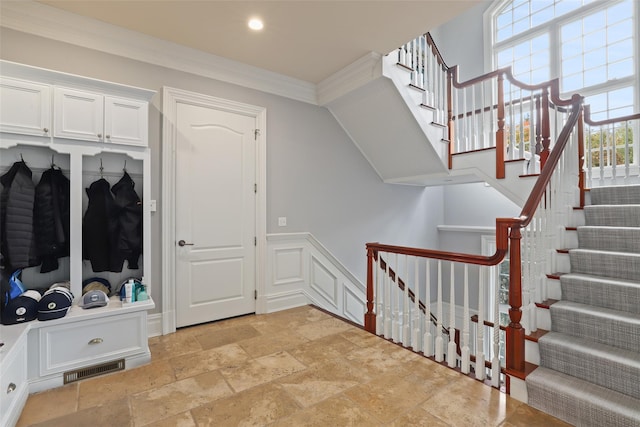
(539, 187)
(591, 122)
(436, 51)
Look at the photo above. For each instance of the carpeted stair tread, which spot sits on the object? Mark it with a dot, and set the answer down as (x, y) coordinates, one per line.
(615, 195)
(613, 216)
(615, 294)
(619, 265)
(602, 325)
(616, 239)
(580, 402)
(600, 364)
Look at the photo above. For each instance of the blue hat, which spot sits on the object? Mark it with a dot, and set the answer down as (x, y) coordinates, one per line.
(23, 308)
(55, 303)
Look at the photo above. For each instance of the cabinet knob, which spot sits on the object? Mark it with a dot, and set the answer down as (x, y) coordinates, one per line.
(96, 341)
(99, 135)
(11, 388)
(108, 136)
(46, 130)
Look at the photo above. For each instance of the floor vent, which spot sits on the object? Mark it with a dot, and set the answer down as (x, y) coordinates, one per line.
(93, 371)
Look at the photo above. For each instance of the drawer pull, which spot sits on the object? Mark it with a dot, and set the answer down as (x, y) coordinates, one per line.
(11, 388)
(96, 341)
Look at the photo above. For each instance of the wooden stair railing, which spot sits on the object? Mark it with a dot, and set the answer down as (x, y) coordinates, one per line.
(508, 240)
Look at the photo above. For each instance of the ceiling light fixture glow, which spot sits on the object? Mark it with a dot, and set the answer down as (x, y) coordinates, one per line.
(256, 24)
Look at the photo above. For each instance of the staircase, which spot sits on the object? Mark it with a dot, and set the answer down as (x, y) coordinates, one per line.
(589, 371)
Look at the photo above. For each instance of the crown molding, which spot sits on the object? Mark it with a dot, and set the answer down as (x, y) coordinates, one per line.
(353, 76)
(46, 21)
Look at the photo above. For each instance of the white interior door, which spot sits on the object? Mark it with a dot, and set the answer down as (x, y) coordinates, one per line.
(215, 214)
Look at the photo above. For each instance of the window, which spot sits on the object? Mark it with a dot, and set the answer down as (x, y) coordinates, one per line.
(590, 45)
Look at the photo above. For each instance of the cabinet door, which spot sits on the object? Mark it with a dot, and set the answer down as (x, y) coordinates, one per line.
(125, 121)
(25, 107)
(78, 115)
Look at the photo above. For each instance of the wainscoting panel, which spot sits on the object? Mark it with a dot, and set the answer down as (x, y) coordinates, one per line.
(301, 271)
(323, 281)
(288, 266)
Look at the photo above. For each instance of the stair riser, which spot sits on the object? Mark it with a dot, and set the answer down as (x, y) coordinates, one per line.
(602, 294)
(622, 333)
(554, 289)
(609, 239)
(532, 352)
(599, 369)
(603, 264)
(568, 401)
(618, 195)
(627, 216)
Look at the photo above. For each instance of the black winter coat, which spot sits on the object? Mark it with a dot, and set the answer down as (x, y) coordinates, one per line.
(17, 241)
(100, 229)
(129, 210)
(51, 218)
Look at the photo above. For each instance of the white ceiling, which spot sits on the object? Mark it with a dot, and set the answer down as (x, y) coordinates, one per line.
(305, 39)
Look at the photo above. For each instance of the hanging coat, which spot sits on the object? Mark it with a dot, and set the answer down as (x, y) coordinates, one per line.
(129, 208)
(17, 240)
(51, 218)
(100, 229)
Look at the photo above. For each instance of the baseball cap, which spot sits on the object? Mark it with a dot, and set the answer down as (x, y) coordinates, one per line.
(23, 308)
(54, 304)
(94, 298)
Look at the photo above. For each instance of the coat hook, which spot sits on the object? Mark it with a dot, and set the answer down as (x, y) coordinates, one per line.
(52, 162)
(124, 169)
(101, 168)
(21, 158)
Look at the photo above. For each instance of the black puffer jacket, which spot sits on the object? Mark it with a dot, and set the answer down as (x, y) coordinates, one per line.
(17, 241)
(100, 229)
(51, 218)
(129, 208)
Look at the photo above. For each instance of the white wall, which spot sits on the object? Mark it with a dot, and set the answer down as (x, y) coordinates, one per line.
(315, 175)
(461, 42)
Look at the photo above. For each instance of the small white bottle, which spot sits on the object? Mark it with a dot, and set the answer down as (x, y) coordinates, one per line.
(128, 291)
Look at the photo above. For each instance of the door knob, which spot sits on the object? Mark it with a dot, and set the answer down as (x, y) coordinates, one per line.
(183, 243)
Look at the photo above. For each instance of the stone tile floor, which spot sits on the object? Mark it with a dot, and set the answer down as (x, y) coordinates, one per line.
(298, 367)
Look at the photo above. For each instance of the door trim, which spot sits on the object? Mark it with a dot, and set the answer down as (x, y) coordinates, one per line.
(171, 97)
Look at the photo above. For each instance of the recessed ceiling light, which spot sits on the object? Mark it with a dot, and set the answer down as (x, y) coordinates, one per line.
(256, 24)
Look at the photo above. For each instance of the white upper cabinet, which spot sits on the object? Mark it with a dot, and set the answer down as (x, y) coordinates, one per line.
(78, 115)
(25, 107)
(125, 121)
(100, 118)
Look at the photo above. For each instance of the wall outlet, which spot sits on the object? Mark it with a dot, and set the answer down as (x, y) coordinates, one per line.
(153, 206)
(282, 221)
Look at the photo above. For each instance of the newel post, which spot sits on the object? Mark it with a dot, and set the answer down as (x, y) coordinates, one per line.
(500, 148)
(450, 135)
(515, 331)
(370, 316)
(546, 129)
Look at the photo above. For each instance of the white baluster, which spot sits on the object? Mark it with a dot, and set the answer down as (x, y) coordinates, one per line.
(602, 160)
(495, 361)
(415, 339)
(466, 359)
(480, 369)
(451, 348)
(427, 343)
(388, 321)
(403, 55)
(406, 327)
(395, 334)
(627, 172)
(439, 339)
(379, 296)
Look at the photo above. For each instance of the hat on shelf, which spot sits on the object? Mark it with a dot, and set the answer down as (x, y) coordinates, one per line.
(55, 303)
(65, 284)
(96, 283)
(94, 298)
(23, 308)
